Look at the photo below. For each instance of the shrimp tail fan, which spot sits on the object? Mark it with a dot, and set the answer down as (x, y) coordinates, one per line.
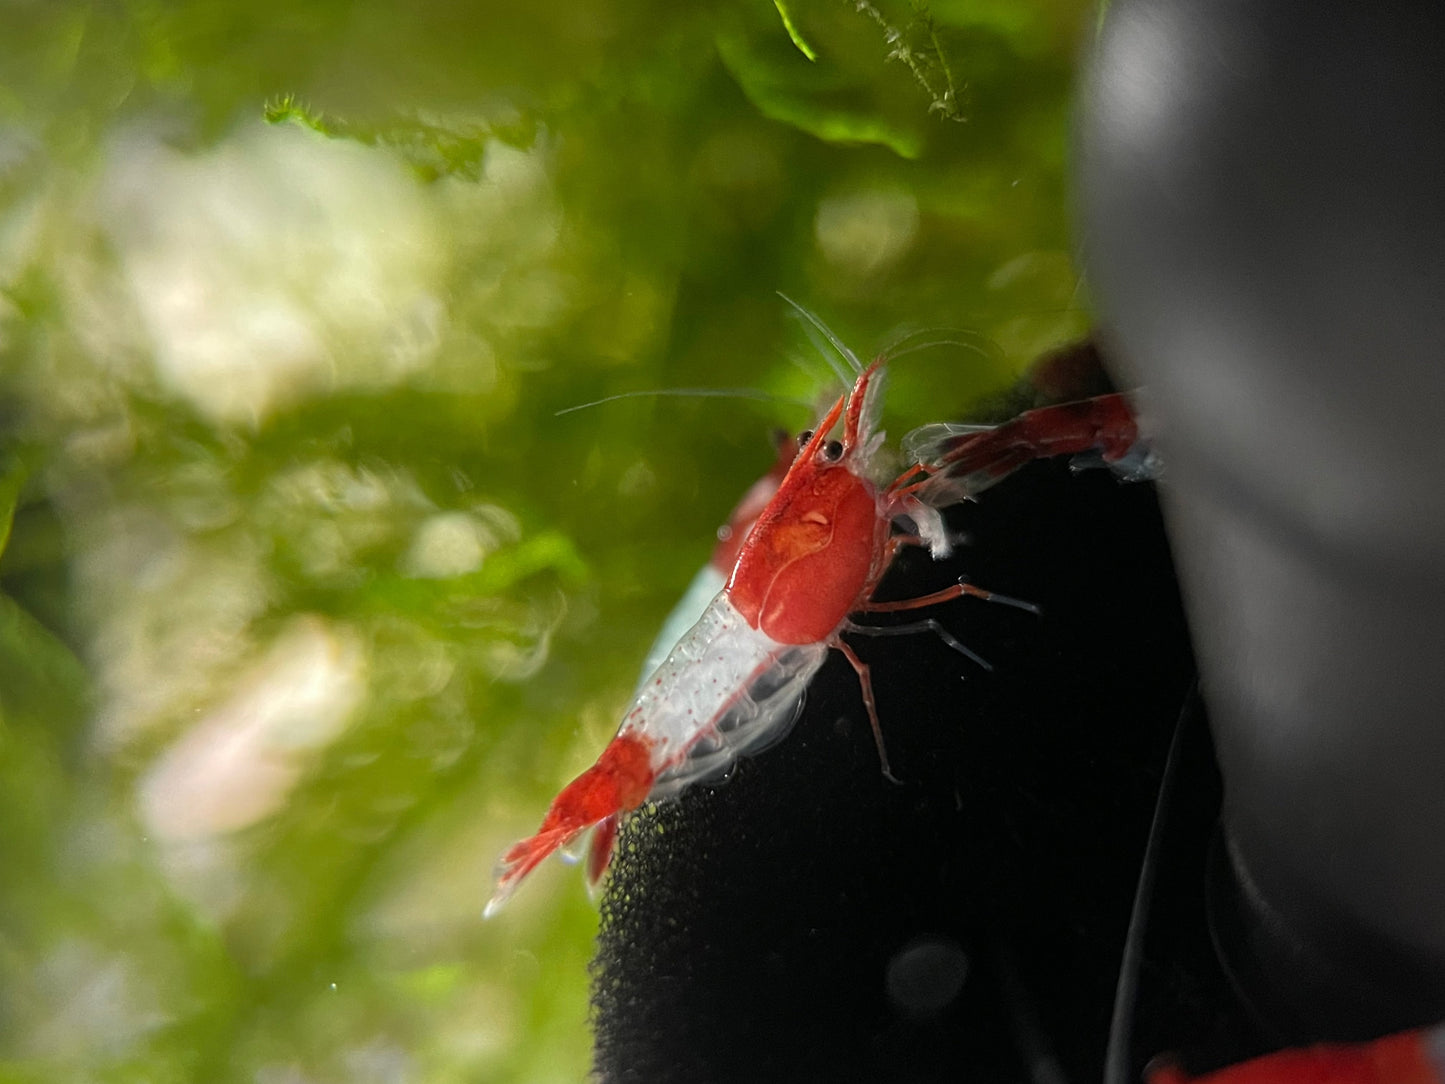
(520, 860)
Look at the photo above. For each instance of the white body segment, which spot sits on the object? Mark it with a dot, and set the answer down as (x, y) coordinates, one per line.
(689, 609)
(726, 689)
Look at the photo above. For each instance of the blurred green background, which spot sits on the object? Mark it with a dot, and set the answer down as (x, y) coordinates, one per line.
(308, 602)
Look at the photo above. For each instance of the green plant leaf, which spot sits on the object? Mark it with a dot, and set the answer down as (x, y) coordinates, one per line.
(432, 147)
(11, 479)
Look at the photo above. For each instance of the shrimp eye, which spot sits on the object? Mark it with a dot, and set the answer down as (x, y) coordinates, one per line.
(803, 438)
(833, 450)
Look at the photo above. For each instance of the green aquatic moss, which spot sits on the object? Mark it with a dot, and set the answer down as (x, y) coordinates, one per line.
(311, 599)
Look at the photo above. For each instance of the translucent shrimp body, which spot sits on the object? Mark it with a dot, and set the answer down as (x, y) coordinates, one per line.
(727, 689)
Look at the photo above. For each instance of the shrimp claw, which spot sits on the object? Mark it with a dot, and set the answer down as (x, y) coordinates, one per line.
(619, 781)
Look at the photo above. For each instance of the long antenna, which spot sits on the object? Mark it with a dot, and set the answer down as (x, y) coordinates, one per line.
(825, 351)
(692, 393)
(931, 343)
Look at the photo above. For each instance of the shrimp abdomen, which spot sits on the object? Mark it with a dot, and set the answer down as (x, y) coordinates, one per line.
(759, 717)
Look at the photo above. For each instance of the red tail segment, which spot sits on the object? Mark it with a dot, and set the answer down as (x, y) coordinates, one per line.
(620, 780)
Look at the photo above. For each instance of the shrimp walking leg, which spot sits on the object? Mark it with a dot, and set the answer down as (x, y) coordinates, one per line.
(913, 628)
(947, 594)
(865, 684)
(958, 590)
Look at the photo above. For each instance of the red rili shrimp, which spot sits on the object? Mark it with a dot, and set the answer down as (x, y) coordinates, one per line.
(735, 681)
(820, 545)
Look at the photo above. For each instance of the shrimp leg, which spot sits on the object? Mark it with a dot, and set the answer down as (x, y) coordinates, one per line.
(865, 681)
(865, 685)
(947, 594)
(913, 628)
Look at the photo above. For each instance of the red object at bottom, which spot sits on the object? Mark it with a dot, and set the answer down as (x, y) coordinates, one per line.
(1396, 1059)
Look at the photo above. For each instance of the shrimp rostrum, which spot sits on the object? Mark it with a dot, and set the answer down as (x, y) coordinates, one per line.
(734, 683)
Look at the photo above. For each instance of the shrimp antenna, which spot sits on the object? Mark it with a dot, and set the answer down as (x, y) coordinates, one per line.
(1126, 993)
(814, 321)
(825, 351)
(979, 344)
(690, 393)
